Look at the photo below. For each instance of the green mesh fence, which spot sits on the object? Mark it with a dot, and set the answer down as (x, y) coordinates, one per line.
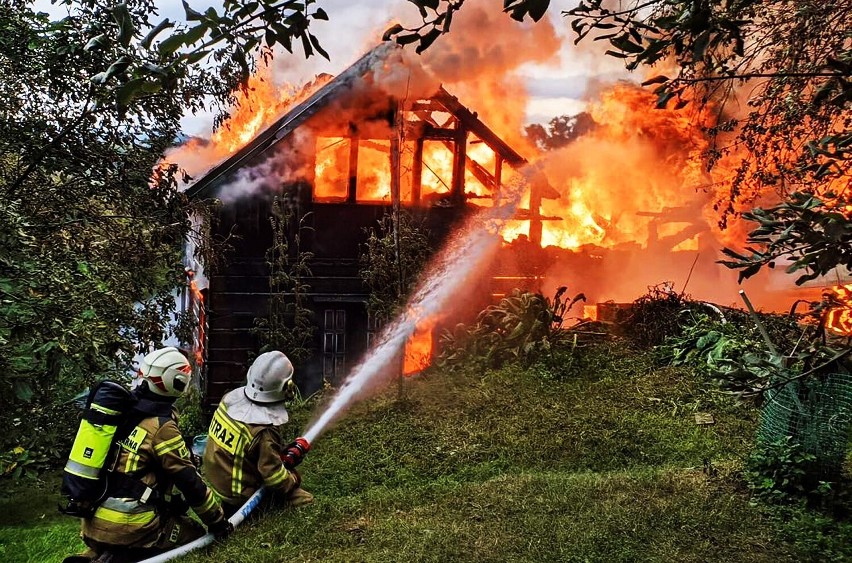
(815, 413)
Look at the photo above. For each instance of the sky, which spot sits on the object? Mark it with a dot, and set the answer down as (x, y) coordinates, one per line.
(557, 88)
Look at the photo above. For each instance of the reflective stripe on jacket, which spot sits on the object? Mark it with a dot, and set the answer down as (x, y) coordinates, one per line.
(241, 457)
(155, 454)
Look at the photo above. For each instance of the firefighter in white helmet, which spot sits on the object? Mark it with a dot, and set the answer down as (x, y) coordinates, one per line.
(244, 449)
(142, 513)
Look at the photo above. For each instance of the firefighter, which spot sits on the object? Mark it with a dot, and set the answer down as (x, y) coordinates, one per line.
(244, 450)
(153, 479)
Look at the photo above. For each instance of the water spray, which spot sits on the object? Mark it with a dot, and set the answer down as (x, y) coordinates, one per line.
(457, 263)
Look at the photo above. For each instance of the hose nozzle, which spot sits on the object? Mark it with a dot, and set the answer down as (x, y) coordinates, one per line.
(295, 452)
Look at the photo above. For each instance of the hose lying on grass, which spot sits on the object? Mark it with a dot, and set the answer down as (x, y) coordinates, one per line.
(207, 539)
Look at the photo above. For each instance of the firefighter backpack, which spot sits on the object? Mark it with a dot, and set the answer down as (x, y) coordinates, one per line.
(84, 480)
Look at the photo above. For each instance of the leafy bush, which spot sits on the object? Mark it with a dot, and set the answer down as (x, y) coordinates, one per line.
(655, 316)
(780, 472)
(521, 326)
(21, 462)
(721, 350)
(191, 410)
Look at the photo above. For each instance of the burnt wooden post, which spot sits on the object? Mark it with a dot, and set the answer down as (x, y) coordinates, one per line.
(353, 169)
(417, 172)
(459, 157)
(395, 147)
(498, 175)
(535, 210)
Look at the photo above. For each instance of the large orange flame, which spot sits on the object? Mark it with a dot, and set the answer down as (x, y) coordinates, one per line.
(257, 105)
(196, 305)
(838, 319)
(418, 349)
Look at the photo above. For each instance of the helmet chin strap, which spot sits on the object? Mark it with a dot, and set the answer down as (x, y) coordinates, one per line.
(260, 403)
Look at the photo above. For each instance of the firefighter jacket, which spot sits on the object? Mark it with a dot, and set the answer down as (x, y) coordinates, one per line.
(152, 460)
(240, 458)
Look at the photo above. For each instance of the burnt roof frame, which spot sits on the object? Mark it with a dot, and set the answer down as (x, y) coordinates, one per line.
(309, 107)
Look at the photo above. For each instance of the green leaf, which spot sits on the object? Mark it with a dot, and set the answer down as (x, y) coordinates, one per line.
(663, 99)
(306, 45)
(149, 38)
(171, 44)
(391, 31)
(623, 43)
(96, 43)
(23, 390)
(427, 40)
(700, 46)
(659, 79)
(195, 33)
(192, 58)
(191, 15)
(121, 15)
(136, 88)
(315, 42)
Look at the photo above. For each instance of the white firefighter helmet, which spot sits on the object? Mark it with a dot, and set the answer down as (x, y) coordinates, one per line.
(268, 378)
(166, 371)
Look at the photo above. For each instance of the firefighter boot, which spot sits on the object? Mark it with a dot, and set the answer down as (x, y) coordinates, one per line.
(298, 497)
(85, 557)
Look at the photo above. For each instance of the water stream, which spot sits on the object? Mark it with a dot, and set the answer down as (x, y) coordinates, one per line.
(471, 249)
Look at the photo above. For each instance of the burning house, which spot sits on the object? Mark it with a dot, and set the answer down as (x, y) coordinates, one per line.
(340, 160)
(628, 205)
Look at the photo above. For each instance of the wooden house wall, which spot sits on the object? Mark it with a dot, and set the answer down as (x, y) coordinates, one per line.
(335, 233)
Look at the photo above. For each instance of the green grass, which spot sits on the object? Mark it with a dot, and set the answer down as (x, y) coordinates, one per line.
(509, 465)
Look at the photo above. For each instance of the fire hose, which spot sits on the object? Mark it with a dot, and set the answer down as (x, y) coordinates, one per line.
(291, 457)
(207, 539)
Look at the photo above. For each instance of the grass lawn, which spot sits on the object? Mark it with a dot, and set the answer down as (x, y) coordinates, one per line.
(511, 465)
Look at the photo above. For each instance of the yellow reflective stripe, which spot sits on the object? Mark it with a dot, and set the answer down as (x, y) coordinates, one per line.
(209, 504)
(117, 517)
(81, 470)
(237, 476)
(132, 463)
(244, 434)
(169, 445)
(277, 477)
(104, 410)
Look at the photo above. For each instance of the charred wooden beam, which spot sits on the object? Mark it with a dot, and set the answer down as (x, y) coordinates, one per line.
(535, 213)
(351, 193)
(471, 122)
(439, 133)
(484, 176)
(459, 159)
(395, 146)
(526, 215)
(498, 174)
(417, 171)
(425, 105)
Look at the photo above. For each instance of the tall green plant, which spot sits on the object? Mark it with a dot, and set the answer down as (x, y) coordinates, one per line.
(391, 261)
(288, 324)
(521, 326)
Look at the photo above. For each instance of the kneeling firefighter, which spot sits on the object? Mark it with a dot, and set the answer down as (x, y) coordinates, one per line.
(244, 450)
(141, 514)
